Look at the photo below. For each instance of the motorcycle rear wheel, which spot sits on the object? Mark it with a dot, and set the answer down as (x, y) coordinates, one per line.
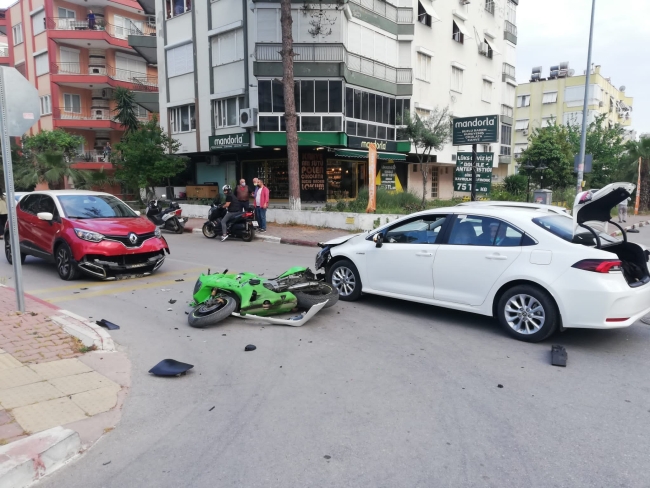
(205, 315)
(209, 231)
(325, 291)
(247, 235)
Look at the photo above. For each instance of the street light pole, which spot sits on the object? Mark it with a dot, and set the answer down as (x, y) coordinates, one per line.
(585, 105)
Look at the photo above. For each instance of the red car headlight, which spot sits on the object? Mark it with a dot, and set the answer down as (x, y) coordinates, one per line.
(88, 235)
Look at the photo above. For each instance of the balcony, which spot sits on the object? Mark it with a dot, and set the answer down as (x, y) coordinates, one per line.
(79, 29)
(510, 32)
(508, 72)
(323, 53)
(399, 15)
(75, 74)
(76, 118)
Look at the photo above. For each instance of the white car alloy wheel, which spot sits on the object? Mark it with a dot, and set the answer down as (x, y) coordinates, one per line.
(525, 314)
(344, 281)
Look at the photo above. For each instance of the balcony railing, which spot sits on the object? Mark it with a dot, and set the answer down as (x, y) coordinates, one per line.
(119, 32)
(336, 53)
(4, 52)
(93, 156)
(510, 32)
(144, 81)
(76, 113)
(508, 71)
(399, 15)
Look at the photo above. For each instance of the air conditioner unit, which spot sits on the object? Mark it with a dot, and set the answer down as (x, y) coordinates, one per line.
(525, 132)
(151, 21)
(98, 114)
(248, 117)
(483, 48)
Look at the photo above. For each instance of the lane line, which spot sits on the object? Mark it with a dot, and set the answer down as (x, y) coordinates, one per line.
(113, 291)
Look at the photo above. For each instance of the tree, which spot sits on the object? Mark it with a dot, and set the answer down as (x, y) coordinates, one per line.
(426, 134)
(145, 157)
(550, 146)
(639, 153)
(515, 184)
(125, 109)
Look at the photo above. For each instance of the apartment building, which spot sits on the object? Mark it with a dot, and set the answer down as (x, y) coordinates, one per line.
(559, 98)
(359, 65)
(76, 53)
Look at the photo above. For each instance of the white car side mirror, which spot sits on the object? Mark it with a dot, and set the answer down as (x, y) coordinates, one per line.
(137, 212)
(47, 216)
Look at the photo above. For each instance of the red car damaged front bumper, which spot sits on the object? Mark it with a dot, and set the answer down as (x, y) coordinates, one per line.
(111, 259)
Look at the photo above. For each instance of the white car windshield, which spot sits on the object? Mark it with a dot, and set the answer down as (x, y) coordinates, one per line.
(562, 226)
(94, 207)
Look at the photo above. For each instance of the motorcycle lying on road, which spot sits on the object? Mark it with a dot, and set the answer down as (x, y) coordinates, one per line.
(249, 296)
(242, 226)
(169, 218)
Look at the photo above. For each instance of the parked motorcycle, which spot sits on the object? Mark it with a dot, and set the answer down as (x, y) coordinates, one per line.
(242, 226)
(249, 296)
(169, 218)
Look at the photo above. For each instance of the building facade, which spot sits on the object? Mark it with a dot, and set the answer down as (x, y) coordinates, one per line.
(75, 54)
(358, 66)
(560, 98)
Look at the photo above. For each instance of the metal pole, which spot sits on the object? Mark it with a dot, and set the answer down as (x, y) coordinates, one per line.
(528, 189)
(473, 194)
(11, 200)
(585, 105)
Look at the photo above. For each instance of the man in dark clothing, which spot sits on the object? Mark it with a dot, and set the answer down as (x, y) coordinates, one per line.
(234, 208)
(242, 192)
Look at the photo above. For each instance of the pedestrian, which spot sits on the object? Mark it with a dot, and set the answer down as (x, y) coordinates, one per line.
(622, 210)
(107, 152)
(91, 20)
(3, 213)
(261, 204)
(233, 208)
(242, 193)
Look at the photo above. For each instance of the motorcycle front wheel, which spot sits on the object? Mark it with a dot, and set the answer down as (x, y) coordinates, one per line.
(209, 230)
(212, 313)
(325, 291)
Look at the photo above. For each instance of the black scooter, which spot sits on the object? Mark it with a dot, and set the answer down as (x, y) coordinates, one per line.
(169, 219)
(243, 226)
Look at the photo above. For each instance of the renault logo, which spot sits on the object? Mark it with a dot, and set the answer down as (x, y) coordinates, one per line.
(133, 238)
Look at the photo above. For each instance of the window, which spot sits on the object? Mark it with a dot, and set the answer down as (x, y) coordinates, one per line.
(29, 203)
(473, 230)
(42, 64)
(548, 121)
(182, 119)
(177, 7)
(65, 13)
(422, 230)
(38, 22)
(129, 67)
(489, 6)
(521, 124)
(506, 140)
(71, 103)
(17, 31)
(423, 113)
(180, 60)
(311, 96)
(46, 204)
(550, 97)
(424, 67)
(523, 101)
(511, 12)
(434, 182)
(94, 207)
(226, 112)
(457, 33)
(46, 105)
(509, 94)
(456, 79)
(423, 16)
(141, 112)
(486, 95)
(228, 47)
(507, 111)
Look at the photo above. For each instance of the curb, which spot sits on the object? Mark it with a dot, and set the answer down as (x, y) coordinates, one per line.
(630, 227)
(269, 239)
(28, 460)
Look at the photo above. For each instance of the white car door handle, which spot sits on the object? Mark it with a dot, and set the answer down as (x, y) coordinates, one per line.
(425, 254)
(498, 257)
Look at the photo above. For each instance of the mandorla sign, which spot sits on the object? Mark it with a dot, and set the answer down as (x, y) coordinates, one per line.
(229, 141)
(483, 129)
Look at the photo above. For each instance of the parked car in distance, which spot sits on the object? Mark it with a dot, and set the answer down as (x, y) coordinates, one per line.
(534, 270)
(535, 206)
(87, 232)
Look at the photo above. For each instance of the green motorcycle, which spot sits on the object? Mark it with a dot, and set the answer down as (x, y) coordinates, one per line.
(249, 296)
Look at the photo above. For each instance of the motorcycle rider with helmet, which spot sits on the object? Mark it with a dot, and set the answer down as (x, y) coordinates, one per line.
(234, 210)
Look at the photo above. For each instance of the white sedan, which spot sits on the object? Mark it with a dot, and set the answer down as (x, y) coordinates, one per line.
(534, 270)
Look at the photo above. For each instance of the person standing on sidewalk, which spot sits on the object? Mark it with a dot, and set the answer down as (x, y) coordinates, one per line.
(622, 210)
(242, 193)
(3, 213)
(261, 204)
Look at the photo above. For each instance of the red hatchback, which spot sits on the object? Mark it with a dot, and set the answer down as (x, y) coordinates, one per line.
(90, 232)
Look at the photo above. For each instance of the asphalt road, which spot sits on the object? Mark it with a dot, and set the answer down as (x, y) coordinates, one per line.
(377, 393)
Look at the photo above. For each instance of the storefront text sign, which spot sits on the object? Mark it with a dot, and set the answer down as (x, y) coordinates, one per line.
(463, 173)
(476, 130)
(388, 176)
(312, 177)
(229, 141)
(363, 143)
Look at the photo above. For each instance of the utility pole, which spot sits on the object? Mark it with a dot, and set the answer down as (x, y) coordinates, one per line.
(473, 193)
(585, 105)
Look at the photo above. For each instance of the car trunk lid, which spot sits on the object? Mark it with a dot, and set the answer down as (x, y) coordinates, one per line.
(597, 206)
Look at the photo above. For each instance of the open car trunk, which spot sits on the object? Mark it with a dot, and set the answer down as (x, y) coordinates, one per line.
(634, 262)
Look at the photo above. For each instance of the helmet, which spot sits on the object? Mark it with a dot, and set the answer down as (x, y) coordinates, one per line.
(226, 188)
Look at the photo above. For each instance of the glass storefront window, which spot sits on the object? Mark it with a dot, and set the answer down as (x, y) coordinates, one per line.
(343, 179)
(274, 173)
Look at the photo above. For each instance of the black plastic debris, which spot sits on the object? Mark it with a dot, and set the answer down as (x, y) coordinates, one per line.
(83, 288)
(170, 367)
(558, 356)
(211, 409)
(181, 279)
(633, 231)
(106, 463)
(499, 386)
(172, 301)
(250, 347)
(107, 324)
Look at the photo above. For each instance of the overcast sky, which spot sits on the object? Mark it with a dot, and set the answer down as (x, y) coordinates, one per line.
(552, 31)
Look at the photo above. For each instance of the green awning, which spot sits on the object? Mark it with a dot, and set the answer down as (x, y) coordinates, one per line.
(382, 156)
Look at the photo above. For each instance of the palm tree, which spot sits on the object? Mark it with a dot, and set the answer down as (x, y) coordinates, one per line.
(125, 109)
(639, 151)
(44, 169)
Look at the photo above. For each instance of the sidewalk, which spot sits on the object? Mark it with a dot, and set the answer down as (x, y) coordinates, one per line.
(56, 390)
(633, 222)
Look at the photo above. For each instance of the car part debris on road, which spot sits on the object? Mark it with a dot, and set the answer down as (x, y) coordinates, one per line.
(170, 367)
(107, 324)
(250, 347)
(558, 356)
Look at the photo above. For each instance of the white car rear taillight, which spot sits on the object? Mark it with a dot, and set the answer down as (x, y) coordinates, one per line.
(598, 265)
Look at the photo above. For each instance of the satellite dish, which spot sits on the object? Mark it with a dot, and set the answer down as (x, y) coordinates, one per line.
(622, 88)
